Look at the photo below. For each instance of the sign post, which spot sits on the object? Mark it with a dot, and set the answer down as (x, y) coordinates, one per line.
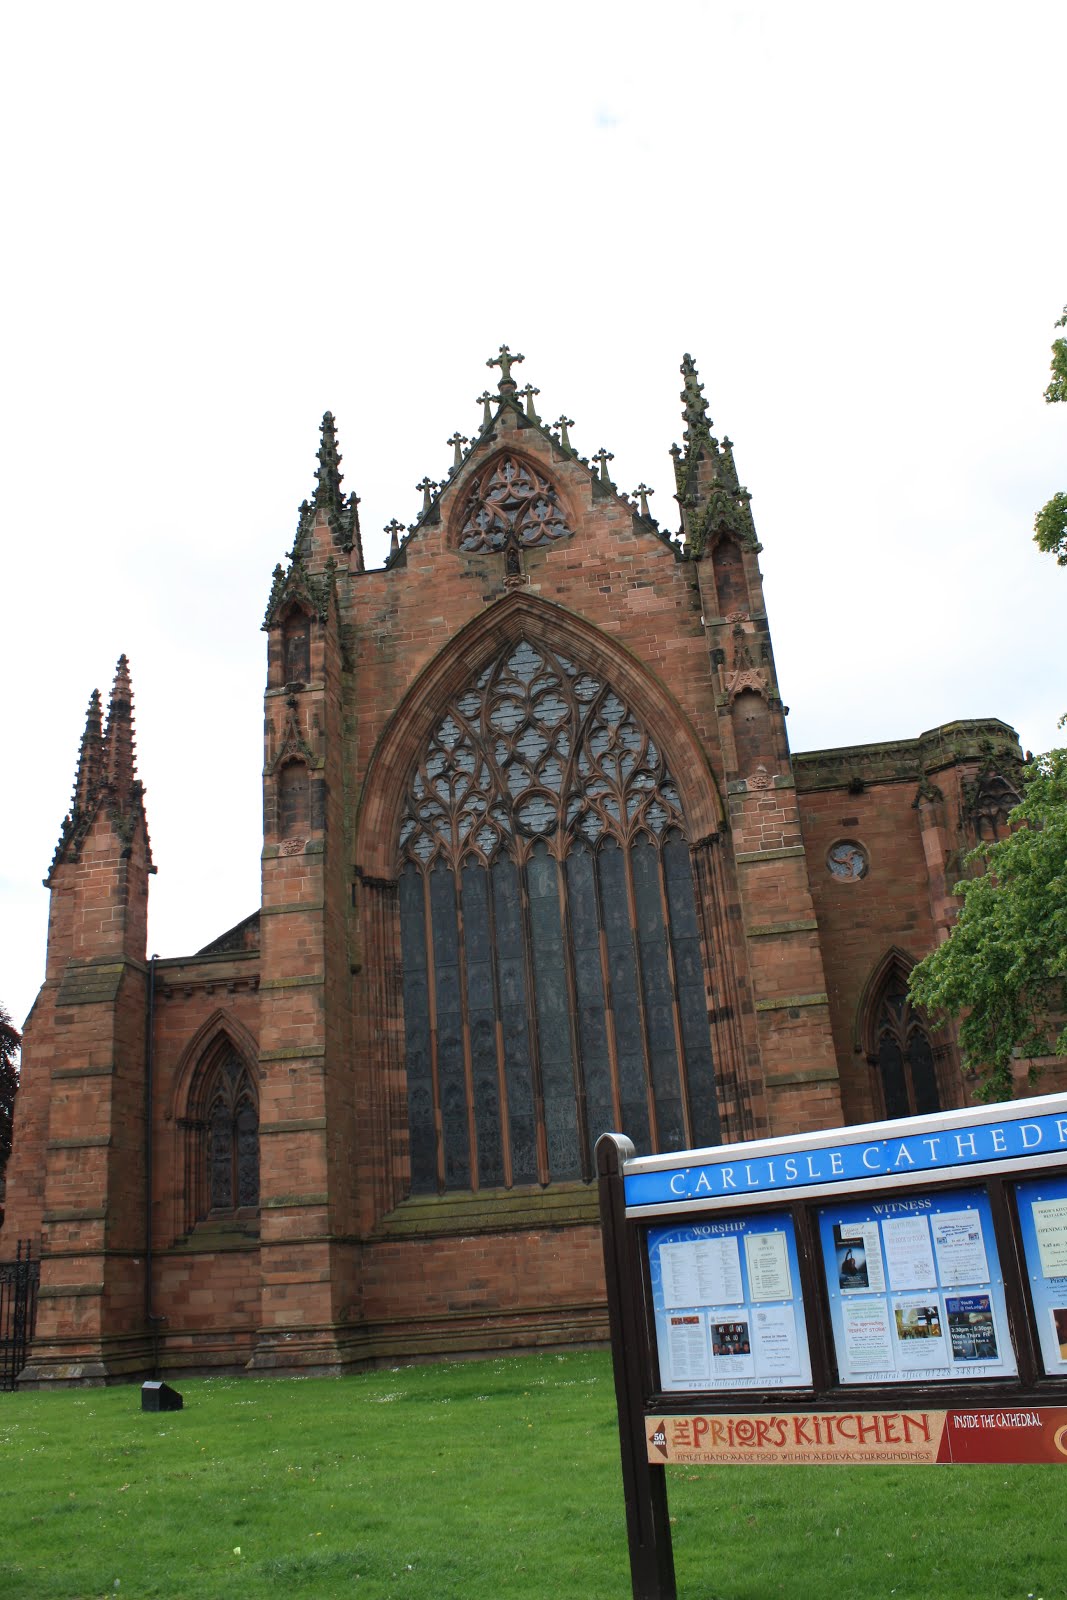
(895, 1292)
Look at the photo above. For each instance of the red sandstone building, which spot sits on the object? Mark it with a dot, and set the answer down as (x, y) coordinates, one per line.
(537, 863)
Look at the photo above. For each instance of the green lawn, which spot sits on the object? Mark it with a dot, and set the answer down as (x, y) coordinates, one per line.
(479, 1481)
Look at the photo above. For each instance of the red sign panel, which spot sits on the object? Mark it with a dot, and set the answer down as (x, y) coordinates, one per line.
(1034, 1434)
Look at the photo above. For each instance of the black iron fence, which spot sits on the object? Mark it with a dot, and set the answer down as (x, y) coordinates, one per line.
(18, 1311)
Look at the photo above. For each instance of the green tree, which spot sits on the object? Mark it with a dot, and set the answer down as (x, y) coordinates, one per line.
(1050, 524)
(1003, 969)
(10, 1039)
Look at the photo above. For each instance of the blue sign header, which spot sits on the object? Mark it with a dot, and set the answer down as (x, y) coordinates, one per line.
(934, 1151)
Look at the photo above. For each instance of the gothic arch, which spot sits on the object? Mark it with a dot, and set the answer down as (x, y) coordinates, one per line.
(471, 650)
(216, 1100)
(898, 1043)
(553, 966)
(220, 1025)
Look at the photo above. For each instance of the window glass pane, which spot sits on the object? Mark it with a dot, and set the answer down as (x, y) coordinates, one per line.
(589, 992)
(451, 1070)
(891, 1067)
(658, 994)
(622, 976)
(923, 1075)
(481, 1014)
(417, 1032)
(514, 1012)
(552, 1005)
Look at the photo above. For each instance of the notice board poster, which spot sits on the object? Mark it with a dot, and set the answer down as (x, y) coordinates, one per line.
(916, 1293)
(728, 1307)
(1043, 1223)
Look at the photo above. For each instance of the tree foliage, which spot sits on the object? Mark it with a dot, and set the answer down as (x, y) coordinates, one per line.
(1003, 969)
(1050, 524)
(10, 1039)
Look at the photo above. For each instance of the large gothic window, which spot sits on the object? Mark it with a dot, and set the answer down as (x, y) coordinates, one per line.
(553, 971)
(222, 1139)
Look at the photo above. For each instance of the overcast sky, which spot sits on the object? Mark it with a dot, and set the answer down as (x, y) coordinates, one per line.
(223, 219)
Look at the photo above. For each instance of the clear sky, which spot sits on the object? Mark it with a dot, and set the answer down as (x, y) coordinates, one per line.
(223, 219)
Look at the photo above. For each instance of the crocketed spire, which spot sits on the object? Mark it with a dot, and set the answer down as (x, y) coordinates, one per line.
(88, 776)
(118, 755)
(328, 496)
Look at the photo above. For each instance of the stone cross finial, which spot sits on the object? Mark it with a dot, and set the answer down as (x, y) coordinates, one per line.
(642, 492)
(485, 400)
(427, 486)
(457, 441)
(563, 423)
(527, 394)
(394, 529)
(603, 456)
(505, 361)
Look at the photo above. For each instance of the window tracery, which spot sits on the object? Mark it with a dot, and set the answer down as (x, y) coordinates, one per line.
(511, 505)
(554, 981)
(222, 1140)
(903, 1054)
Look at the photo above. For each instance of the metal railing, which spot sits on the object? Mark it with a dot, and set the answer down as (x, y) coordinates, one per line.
(18, 1312)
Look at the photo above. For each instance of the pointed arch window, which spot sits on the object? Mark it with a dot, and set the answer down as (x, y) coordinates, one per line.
(902, 1053)
(222, 1139)
(509, 505)
(553, 973)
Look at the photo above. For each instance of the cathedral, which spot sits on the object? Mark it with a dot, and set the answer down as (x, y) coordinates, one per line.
(537, 863)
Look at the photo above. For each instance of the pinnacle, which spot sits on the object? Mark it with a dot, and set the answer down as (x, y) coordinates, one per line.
(695, 407)
(118, 744)
(328, 496)
(89, 769)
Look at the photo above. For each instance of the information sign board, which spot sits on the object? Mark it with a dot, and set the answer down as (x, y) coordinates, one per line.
(893, 1293)
(728, 1307)
(1043, 1225)
(915, 1289)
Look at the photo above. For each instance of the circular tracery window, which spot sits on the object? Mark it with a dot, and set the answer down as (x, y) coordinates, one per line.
(847, 861)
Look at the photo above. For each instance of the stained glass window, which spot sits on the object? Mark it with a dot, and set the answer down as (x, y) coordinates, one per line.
(554, 981)
(222, 1139)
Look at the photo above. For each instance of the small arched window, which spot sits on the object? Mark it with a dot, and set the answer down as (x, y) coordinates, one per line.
(296, 648)
(294, 800)
(222, 1139)
(902, 1053)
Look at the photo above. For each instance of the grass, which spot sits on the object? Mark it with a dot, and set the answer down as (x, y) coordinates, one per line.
(493, 1480)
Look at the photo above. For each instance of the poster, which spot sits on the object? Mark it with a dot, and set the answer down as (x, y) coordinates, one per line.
(960, 1248)
(727, 1303)
(916, 1294)
(701, 1272)
(768, 1266)
(1042, 1204)
(868, 1339)
(908, 1252)
(859, 1258)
